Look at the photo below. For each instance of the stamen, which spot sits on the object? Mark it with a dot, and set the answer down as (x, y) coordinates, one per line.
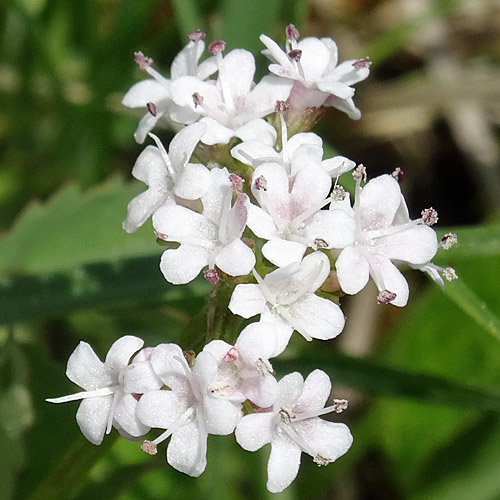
(338, 193)
(450, 274)
(151, 108)
(362, 63)
(429, 216)
(286, 415)
(196, 35)
(322, 459)
(142, 61)
(448, 240)
(211, 276)
(281, 107)
(105, 391)
(161, 236)
(217, 47)
(170, 168)
(264, 367)
(149, 447)
(398, 174)
(385, 297)
(320, 243)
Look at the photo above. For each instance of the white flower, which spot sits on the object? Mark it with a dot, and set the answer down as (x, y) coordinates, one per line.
(230, 104)
(244, 370)
(290, 214)
(110, 388)
(155, 93)
(293, 426)
(187, 410)
(167, 174)
(211, 238)
(312, 65)
(286, 299)
(384, 234)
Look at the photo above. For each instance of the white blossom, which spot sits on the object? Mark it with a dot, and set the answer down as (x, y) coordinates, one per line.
(293, 427)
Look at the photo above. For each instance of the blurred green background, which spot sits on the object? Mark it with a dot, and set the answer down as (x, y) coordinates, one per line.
(423, 382)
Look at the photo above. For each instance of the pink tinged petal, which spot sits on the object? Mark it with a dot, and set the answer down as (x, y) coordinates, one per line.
(388, 277)
(260, 131)
(338, 165)
(247, 300)
(276, 195)
(261, 391)
(257, 340)
(290, 387)
(330, 440)
(310, 188)
(92, 417)
(193, 182)
(261, 223)
(121, 351)
(184, 142)
(298, 141)
(332, 228)
(182, 265)
(86, 370)
(140, 377)
(254, 431)
(187, 450)
(416, 245)
(352, 270)
(302, 97)
(338, 89)
(316, 391)
(160, 409)
(315, 58)
(184, 225)
(274, 52)
(216, 132)
(378, 202)
(283, 252)
(283, 464)
(238, 215)
(316, 317)
(221, 416)
(125, 417)
(283, 329)
(236, 72)
(143, 92)
(235, 259)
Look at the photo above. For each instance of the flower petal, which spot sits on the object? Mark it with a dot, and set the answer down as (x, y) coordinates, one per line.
(121, 351)
(283, 465)
(254, 431)
(316, 391)
(187, 450)
(86, 370)
(352, 270)
(247, 300)
(92, 417)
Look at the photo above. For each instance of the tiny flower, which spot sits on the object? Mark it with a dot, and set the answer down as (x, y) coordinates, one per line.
(286, 299)
(293, 427)
(108, 399)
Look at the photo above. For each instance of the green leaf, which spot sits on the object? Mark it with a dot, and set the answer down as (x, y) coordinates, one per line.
(74, 229)
(187, 15)
(89, 286)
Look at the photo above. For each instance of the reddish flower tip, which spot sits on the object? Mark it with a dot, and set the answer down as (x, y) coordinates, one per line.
(151, 108)
(217, 47)
(236, 181)
(196, 35)
(149, 447)
(362, 63)
(385, 297)
(142, 61)
(398, 174)
(211, 276)
(292, 33)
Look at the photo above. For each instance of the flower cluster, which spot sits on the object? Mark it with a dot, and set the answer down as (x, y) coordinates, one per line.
(244, 194)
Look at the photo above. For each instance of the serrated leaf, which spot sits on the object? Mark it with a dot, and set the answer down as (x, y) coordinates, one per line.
(73, 229)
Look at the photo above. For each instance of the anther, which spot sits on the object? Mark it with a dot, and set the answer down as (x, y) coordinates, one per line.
(142, 61)
(448, 240)
(231, 356)
(338, 193)
(292, 33)
(217, 47)
(321, 459)
(149, 447)
(197, 99)
(286, 416)
(295, 54)
(362, 63)
(449, 274)
(339, 405)
(429, 216)
(320, 243)
(385, 297)
(236, 181)
(211, 276)
(261, 183)
(398, 174)
(359, 173)
(151, 108)
(281, 107)
(196, 35)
